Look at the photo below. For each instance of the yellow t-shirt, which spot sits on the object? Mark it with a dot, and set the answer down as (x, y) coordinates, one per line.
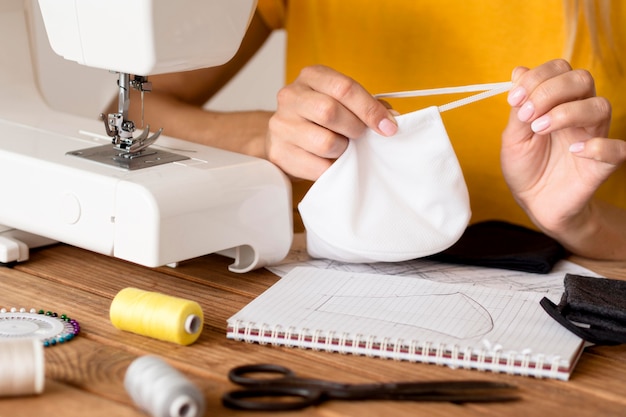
(407, 45)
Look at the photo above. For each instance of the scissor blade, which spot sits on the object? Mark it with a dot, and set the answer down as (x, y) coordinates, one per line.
(458, 398)
(451, 391)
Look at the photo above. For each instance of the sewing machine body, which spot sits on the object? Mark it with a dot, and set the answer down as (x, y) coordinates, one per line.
(146, 37)
(206, 201)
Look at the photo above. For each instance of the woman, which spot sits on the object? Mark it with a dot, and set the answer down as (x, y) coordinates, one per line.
(408, 45)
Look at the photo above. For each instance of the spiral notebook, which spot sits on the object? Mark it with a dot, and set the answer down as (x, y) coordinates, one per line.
(407, 318)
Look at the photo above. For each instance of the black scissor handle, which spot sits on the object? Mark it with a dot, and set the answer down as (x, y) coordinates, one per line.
(243, 375)
(293, 398)
(278, 393)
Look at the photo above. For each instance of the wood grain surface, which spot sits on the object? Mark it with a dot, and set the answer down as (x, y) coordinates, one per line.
(85, 376)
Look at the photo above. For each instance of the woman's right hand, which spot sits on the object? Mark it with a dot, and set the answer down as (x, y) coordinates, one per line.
(316, 115)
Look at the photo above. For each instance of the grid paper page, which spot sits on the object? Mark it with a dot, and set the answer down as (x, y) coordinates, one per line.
(410, 318)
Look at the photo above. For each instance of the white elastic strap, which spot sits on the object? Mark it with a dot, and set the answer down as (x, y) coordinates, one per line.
(487, 90)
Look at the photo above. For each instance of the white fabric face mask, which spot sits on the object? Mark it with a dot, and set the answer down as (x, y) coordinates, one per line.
(393, 199)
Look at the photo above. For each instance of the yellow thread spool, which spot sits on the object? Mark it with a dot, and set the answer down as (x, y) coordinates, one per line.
(157, 315)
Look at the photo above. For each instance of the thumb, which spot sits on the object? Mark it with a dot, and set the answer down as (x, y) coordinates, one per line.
(517, 73)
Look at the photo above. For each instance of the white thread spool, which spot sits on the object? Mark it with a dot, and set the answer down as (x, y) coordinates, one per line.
(22, 367)
(161, 390)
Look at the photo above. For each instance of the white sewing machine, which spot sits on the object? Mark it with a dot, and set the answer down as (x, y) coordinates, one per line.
(109, 187)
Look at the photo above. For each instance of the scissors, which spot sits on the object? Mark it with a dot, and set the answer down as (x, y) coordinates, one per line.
(286, 391)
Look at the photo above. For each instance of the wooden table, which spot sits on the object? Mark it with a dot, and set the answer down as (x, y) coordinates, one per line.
(85, 376)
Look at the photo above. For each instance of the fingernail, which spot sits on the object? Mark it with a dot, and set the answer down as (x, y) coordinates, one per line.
(387, 127)
(516, 96)
(540, 124)
(577, 147)
(526, 112)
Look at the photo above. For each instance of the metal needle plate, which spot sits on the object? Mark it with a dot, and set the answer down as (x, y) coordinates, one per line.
(108, 155)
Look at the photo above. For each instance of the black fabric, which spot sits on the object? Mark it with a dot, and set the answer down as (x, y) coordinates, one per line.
(498, 244)
(593, 308)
